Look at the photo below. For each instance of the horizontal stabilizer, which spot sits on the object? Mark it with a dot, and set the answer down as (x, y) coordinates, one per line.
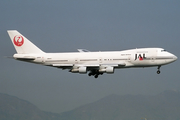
(25, 59)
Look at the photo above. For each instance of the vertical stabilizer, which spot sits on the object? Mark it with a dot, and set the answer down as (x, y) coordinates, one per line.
(22, 44)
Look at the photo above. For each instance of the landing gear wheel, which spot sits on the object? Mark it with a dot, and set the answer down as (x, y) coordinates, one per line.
(96, 76)
(90, 74)
(158, 72)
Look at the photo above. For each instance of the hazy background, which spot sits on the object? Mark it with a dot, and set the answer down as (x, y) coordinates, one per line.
(96, 25)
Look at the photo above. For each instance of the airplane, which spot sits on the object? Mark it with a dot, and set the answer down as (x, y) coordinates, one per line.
(85, 61)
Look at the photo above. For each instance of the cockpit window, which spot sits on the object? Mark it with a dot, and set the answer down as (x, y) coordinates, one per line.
(163, 50)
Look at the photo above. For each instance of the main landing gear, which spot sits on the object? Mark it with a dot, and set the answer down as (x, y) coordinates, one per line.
(95, 73)
(158, 72)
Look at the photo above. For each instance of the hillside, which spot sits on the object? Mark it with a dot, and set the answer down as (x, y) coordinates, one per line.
(13, 108)
(164, 106)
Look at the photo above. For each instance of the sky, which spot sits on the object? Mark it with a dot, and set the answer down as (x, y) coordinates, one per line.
(96, 25)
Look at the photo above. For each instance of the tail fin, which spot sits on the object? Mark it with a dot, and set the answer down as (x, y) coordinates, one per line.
(22, 44)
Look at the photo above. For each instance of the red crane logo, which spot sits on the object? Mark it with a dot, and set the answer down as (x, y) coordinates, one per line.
(18, 40)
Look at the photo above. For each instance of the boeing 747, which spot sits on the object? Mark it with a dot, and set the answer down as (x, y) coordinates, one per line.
(93, 63)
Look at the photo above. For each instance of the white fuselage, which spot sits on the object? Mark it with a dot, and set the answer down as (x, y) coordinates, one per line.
(95, 62)
(144, 57)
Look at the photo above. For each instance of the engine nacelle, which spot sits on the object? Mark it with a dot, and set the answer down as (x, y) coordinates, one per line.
(108, 70)
(82, 70)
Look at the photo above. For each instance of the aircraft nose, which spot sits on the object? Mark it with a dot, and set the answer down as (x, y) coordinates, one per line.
(175, 58)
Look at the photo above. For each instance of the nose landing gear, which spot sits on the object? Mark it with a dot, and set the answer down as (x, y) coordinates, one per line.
(158, 72)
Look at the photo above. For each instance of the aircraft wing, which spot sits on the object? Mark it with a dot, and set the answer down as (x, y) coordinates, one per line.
(114, 64)
(67, 66)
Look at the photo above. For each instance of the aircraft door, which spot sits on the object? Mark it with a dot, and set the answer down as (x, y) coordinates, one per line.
(153, 55)
(76, 60)
(100, 60)
(152, 58)
(131, 57)
(43, 59)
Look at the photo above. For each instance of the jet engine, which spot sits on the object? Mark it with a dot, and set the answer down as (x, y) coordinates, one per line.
(81, 70)
(108, 70)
